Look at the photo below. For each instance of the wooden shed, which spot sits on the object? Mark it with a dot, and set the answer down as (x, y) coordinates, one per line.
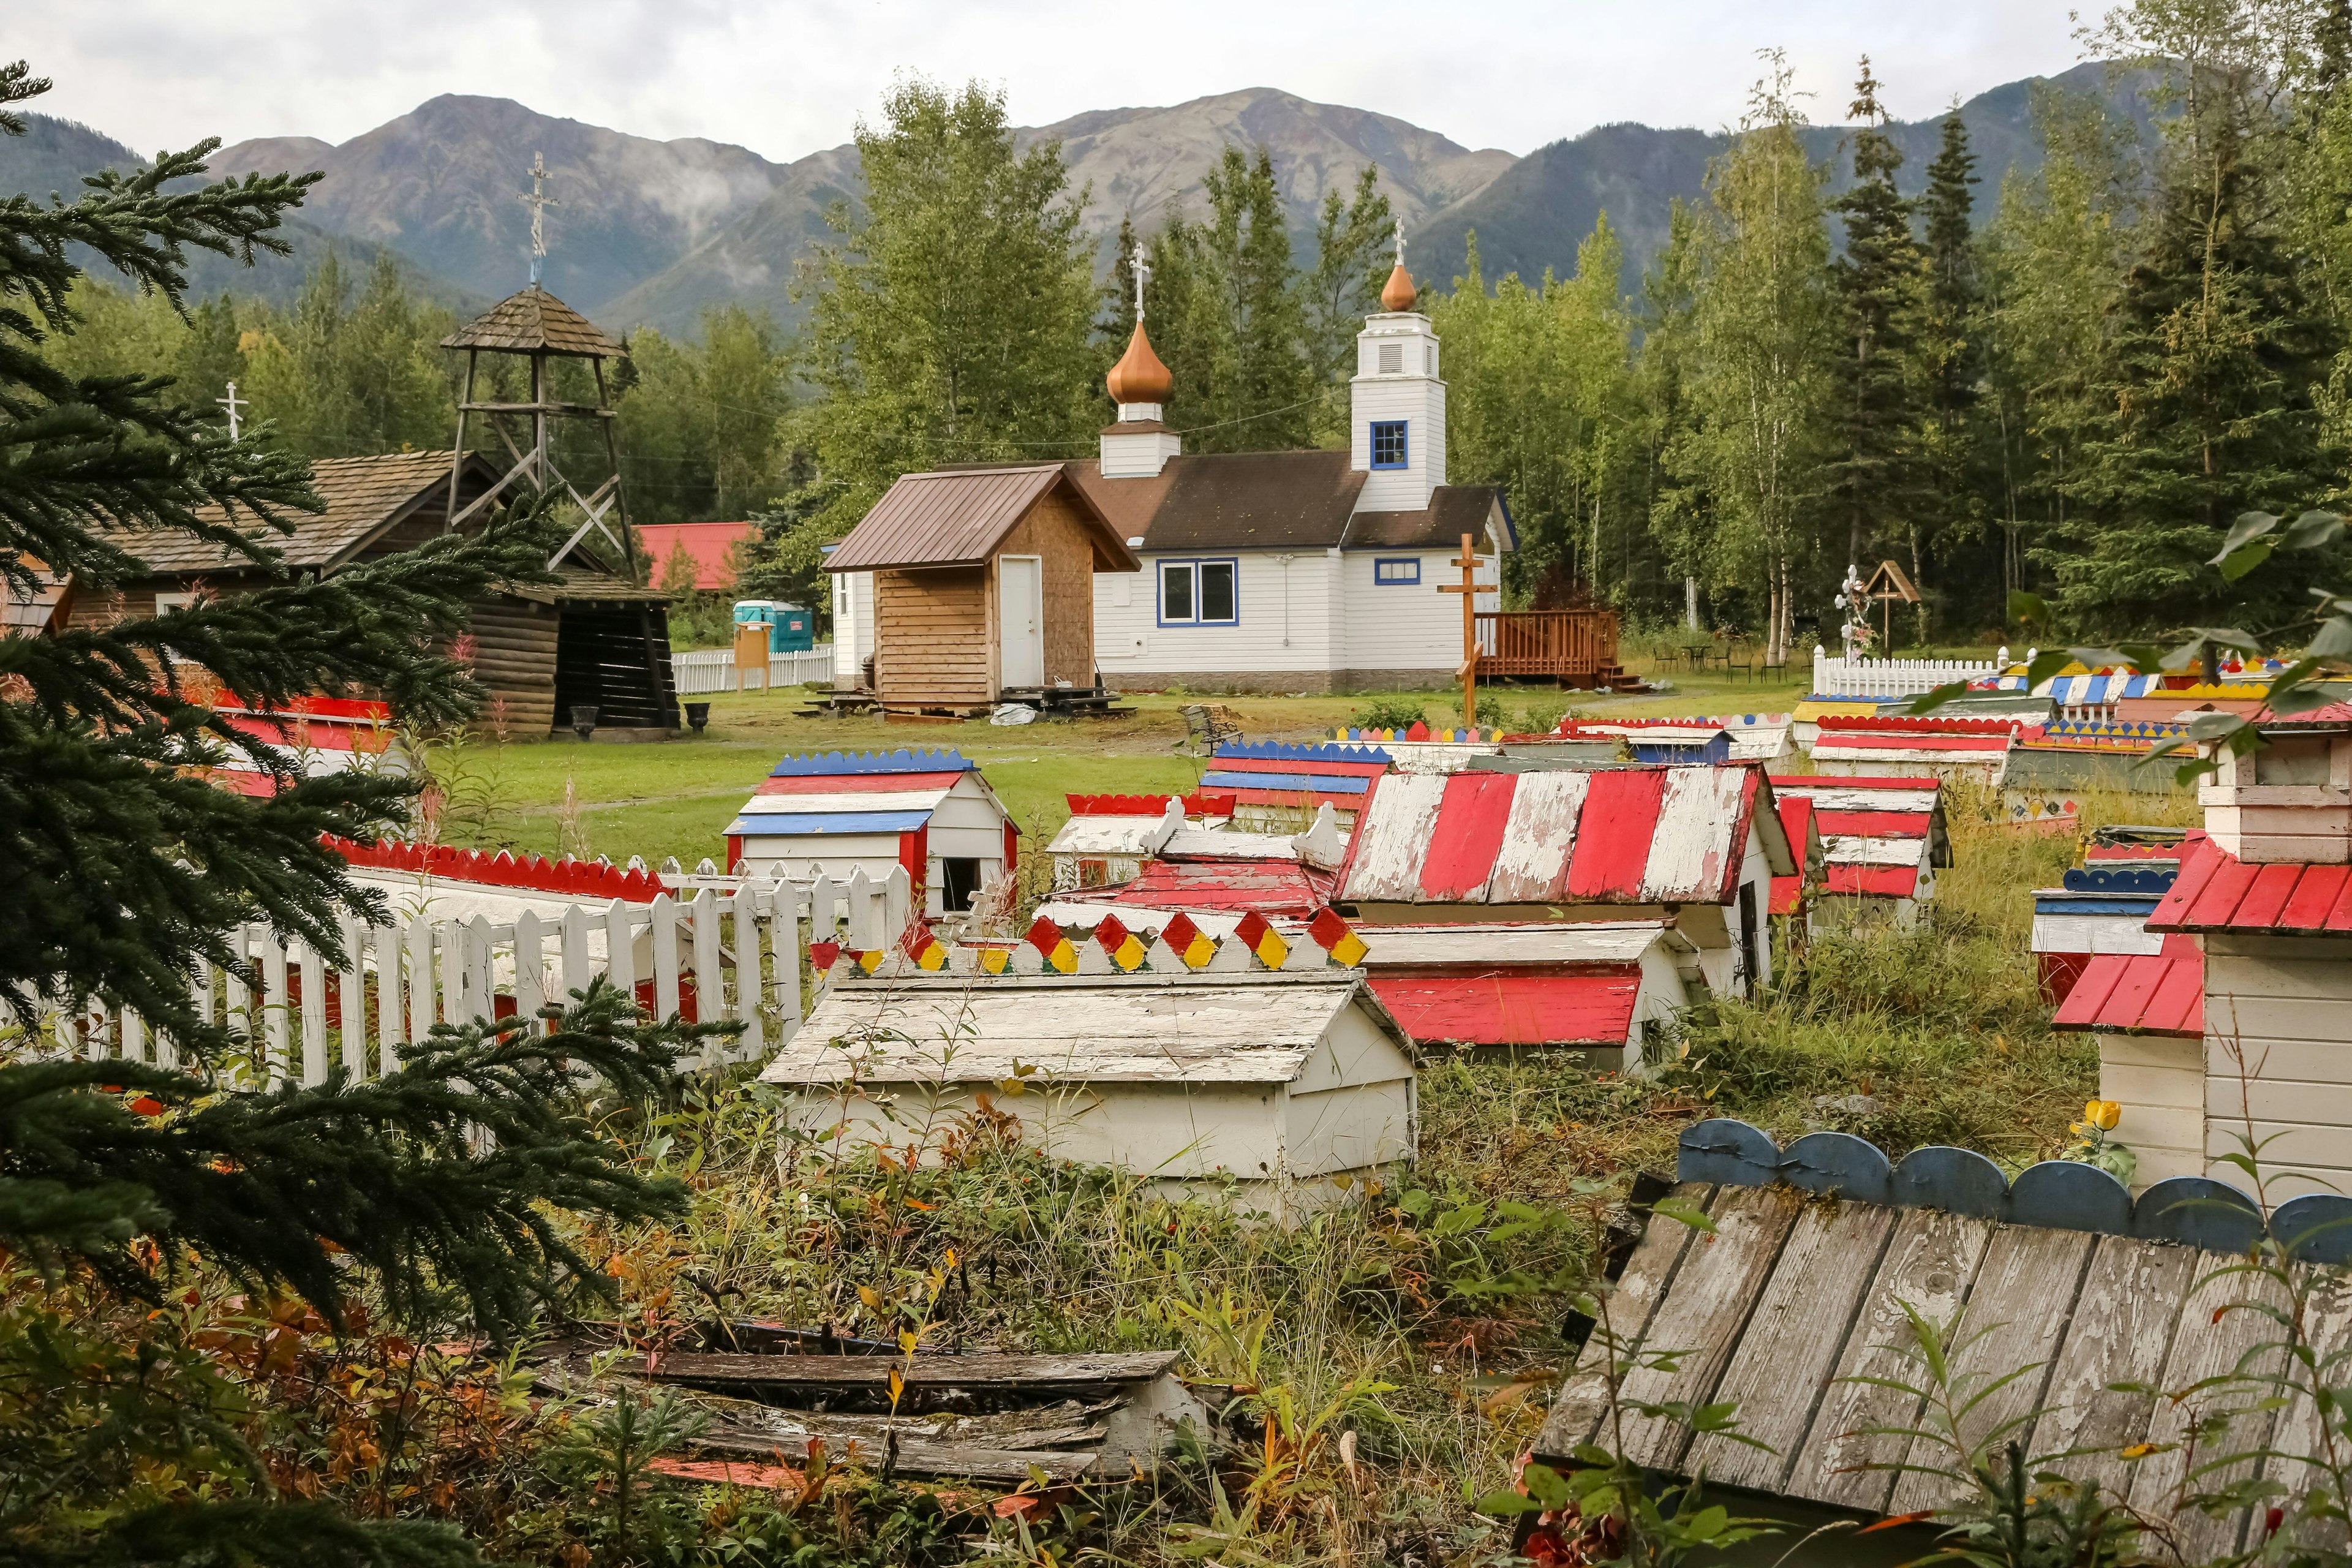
(982, 585)
(1791, 1308)
(1272, 1081)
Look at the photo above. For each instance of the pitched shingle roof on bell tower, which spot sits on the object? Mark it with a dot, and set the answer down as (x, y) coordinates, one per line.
(534, 321)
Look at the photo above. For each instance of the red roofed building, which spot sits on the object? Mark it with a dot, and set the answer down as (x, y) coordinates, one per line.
(2265, 895)
(1697, 846)
(1882, 842)
(712, 546)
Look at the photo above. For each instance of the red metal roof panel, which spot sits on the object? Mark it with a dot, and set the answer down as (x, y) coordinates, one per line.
(1462, 851)
(1613, 835)
(1511, 1008)
(1876, 881)
(2267, 895)
(2307, 906)
(2216, 906)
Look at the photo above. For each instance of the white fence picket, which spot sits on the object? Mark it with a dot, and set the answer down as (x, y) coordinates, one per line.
(311, 967)
(664, 942)
(390, 944)
(698, 672)
(350, 996)
(749, 990)
(272, 1003)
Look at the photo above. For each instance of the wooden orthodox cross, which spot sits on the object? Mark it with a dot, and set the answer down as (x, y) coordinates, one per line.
(1468, 589)
(233, 403)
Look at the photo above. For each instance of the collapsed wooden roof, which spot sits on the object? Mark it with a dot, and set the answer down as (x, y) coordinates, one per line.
(1794, 1302)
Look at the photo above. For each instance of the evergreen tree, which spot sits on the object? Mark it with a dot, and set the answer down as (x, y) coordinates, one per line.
(1671, 486)
(120, 870)
(1951, 348)
(1872, 485)
(950, 322)
(1226, 315)
(701, 422)
(1352, 262)
(2210, 406)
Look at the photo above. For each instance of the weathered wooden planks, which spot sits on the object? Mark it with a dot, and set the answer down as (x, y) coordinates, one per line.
(925, 1372)
(2216, 1338)
(1469, 835)
(1394, 837)
(2021, 1302)
(1700, 833)
(1583, 1400)
(1613, 835)
(1714, 1290)
(1794, 1341)
(1930, 1261)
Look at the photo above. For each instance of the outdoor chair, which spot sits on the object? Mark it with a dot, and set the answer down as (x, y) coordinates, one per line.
(1211, 725)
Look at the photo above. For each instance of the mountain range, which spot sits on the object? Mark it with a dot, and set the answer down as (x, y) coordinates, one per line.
(648, 233)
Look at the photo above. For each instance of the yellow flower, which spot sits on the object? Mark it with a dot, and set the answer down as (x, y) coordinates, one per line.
(2102, 1114)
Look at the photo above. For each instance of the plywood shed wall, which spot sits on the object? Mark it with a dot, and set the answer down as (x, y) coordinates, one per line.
(1053, 531)
(933, 637)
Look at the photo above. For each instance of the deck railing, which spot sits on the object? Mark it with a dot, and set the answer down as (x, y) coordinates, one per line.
(1568, 645)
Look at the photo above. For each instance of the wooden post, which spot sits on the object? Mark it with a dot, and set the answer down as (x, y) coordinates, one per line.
(1468, 589)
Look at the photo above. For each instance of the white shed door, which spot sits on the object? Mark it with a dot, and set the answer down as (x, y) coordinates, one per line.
(1021, 613)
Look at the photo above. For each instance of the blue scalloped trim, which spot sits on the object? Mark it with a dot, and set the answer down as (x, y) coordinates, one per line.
(2059, 1195)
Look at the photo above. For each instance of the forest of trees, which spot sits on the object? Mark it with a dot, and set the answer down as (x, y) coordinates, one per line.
(2061, 384)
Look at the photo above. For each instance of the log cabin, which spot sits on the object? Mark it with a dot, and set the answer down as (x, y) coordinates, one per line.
(538, 648)
(980, 585)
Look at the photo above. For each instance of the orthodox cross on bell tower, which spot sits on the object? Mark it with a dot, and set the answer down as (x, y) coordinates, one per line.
(1142, 276)
(233, 403)
(539, 201)
(1400, 241)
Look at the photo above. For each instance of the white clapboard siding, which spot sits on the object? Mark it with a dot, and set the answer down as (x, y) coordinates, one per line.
(739, 954)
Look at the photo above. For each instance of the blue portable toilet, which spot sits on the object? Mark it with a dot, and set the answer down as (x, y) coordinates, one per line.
(792, 628)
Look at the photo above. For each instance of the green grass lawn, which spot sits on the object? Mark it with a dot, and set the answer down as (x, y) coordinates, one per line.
(676, 798)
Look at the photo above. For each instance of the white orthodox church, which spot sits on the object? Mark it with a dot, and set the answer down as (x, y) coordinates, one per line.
(1313, 571)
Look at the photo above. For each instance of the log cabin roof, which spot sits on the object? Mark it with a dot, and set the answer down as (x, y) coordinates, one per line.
(533, 321)
(362, 497)
(1791, 1307)
(1131, 1029)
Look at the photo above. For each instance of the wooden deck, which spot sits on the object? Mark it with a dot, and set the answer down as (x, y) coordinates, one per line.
(1574, 647)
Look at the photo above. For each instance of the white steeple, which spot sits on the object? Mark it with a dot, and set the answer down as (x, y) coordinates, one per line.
(1397, 404)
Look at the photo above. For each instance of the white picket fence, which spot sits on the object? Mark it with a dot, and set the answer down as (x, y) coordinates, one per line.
(1889, 677)
(703, 670)
(742, 955)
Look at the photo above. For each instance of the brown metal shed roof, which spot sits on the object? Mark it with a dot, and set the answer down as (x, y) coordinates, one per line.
(534, 321)
(956, 517)
(363, 495)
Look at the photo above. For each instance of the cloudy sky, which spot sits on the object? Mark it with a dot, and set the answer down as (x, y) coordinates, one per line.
(789, 76)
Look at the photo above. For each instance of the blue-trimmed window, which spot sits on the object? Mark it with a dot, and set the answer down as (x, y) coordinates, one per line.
(1200, 593)
(1396, 571)
(1388, 444)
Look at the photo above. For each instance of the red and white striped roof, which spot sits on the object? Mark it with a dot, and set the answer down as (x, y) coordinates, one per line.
(1894, 738)
(1623, 836)
(318, 735)
(1878, 834)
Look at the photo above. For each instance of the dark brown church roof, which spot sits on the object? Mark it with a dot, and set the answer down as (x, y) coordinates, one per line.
(1453, 510)
(363, 495)
(534, 321)
(1275, 501)
(956, 517)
